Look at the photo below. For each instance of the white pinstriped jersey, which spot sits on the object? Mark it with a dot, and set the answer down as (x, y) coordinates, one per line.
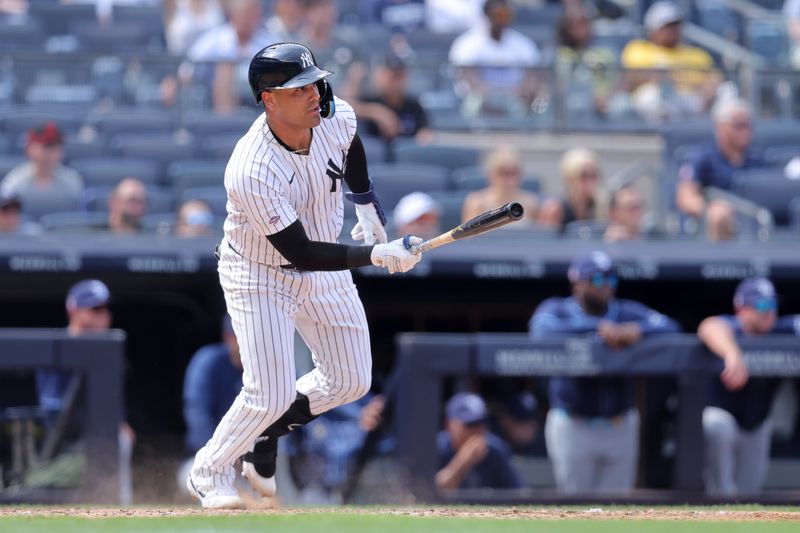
(269, 187)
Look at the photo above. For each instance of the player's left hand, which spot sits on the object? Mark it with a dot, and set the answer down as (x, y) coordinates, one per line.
(370, 226)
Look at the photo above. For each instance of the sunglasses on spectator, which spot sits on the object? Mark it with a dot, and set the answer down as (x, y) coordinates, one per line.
(98, 308)
(601, 280)
(765, 305)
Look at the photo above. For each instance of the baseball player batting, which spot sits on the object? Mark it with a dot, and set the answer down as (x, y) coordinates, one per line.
(281, 269)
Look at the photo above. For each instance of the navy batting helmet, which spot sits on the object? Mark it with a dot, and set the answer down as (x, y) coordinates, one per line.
(289, 66)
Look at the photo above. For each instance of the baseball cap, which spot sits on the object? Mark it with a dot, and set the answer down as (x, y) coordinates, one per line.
(466, 407)
(47, 134)
(661, 14)
(586, 266)
(87, 294)
(414, 205)
(758, 293)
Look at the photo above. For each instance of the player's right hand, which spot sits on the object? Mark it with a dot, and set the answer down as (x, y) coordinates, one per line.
(394, 256)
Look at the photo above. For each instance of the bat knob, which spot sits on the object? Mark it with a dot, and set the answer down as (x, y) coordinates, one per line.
(407, 242)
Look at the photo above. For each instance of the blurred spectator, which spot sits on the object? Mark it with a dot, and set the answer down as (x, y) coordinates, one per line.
(240, 38)
(625, 212)
(592, 428)
(583, 196)
(104, 8)
(334, 49)
(230, 47)
(579, 61)
(791, 10)
(88, 312)
(453, 16)
(470, 456)
(399, 15)
(286, 20)
(504, 176)
(736, 422)
(690, 85)
(186, 20)
(211, 383)
(11, 222)
(714, 164)
(13, 7)
(195, 219)
(417, 214)
(43, 175)
(126, 206)
(389, 111)
(492, 59)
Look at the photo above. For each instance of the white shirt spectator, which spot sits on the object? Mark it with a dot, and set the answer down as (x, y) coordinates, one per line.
(453, 16)
(477, 48)
(187, 24)
(221, 44)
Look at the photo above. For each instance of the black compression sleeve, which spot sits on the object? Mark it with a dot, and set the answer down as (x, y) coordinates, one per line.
(305, 254)
(356, 174)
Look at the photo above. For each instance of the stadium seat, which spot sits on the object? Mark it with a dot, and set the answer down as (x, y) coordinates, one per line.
(133, 121)
(219, 146)
(20, 35)
(160, 223)
(160, 147)
(769, 40)
(76, 148)
(203, 123)
(58, 18)
(159, 199)
(393, 181)
(37, 205)
(449, 157)
(769, 189)
(720, 20)
(452, 204)
(108, 171)
(74, 221)
(375, 148)
(5, 144)
(778, 156)
(771, 133)
(676, 134)
(111, 38)
(215, 197)
(182, 175)
(17, 121)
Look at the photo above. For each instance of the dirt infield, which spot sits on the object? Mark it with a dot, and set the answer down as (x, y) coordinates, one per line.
(702, 515)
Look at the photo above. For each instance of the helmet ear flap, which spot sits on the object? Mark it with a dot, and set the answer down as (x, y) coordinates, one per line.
(327, 107)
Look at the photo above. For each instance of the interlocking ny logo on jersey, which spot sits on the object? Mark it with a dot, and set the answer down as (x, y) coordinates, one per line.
(305, 59)
(335, 172)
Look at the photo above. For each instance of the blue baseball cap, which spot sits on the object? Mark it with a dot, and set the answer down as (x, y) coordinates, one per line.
(758, 293)
(87, 294)
(467, 408)
(586, 266)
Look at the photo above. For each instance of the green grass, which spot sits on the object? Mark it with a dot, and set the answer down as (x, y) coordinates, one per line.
(332, 522)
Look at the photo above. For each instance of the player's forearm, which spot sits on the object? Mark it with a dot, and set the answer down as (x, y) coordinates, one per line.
(719, 338)
(451, 476)
(305, 254)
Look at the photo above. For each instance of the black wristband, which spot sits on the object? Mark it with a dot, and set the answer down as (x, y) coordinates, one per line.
(358, 256)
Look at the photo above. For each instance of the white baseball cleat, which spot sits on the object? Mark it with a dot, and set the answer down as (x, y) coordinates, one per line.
(263, 485)
(216, 497)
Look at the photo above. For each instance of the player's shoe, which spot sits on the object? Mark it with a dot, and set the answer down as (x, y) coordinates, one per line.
(263, 485)
(215, 497)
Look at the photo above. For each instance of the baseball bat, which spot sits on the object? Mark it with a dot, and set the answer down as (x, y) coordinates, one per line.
(488, 221)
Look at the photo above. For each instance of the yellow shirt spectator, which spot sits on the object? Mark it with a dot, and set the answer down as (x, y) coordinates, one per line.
(692, 64)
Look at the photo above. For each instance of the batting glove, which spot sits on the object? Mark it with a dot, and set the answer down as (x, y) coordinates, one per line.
(371, 225)
(394, 256)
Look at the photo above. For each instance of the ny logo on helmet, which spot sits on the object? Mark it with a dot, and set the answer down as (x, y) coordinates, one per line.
(306, 59)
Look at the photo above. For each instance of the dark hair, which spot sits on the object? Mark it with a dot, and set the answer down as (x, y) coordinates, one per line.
(612, 203)
(491, 4)
(565, 38)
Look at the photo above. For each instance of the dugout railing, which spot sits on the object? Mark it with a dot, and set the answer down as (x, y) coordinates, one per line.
(425, 361)
(98, 359)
